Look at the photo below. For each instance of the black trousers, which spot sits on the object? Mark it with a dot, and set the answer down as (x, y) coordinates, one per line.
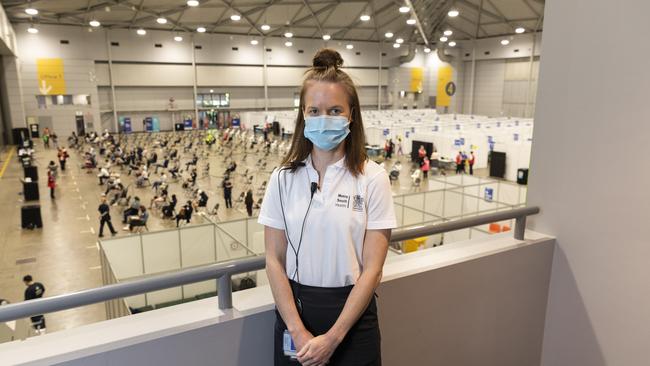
(62, 162)
(38, 321)
(107, 221)
(228, 200)
(249, 210)
(321, 308)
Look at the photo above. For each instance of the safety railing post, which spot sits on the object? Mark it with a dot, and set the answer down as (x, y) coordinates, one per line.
(520, 227)
(224, 291)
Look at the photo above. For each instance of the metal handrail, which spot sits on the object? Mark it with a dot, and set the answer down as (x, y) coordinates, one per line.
(224, 271)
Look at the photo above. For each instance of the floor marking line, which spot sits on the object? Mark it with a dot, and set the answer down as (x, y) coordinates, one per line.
(6, 164)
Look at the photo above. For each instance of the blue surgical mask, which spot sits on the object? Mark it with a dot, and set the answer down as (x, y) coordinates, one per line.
(326, 132)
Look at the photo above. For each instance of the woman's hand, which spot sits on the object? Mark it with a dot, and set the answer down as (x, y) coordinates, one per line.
(317, 351)
(301, 338)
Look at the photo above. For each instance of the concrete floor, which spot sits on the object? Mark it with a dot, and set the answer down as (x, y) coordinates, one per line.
(63, 254)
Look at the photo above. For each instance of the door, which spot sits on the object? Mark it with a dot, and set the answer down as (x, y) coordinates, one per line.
(81, 127)
(43, 123)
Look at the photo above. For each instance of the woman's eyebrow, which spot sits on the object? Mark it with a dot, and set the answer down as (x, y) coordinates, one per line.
(335, 106)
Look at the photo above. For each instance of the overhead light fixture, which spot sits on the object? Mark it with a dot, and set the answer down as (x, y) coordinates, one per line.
(452, 44)
(161, 20)
(365, 17)
(396, 45)
(288, 43)
(141, 32)
(427, 49)
(404, 9)
(520, 30)
(389, 35)
(399, 41)
(94, 23)
(200, 29)
(443, 39)
(178, 39)
(410, 21)
(288, 34)
(453, 13)
(448, 32)
(211, 90)
(235, 17)
(32, 30)
(265, 27)
(349, 46)
(254, 42)
(326, 37)
(192, 3)
(31, 11)
(505, 42)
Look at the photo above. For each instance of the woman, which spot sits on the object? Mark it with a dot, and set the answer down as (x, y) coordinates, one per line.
(248, 200)
(51, 183)
(422, 152)
(328, 214)
(425, 168)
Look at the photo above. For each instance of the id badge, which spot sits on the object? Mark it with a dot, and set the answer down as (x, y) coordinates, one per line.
(288, 346)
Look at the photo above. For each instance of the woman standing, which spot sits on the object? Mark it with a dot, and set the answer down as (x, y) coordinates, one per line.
(51, 183)
(328, 214)
(248, 200)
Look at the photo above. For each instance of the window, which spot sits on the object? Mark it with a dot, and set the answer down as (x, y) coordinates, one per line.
(213, 100)
(50, 101)
(296, 100)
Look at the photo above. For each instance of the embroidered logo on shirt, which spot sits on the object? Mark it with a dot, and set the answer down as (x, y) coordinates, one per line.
(342, 200)
(357, 203)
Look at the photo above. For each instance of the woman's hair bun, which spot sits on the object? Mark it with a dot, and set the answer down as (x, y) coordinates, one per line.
(327, 57)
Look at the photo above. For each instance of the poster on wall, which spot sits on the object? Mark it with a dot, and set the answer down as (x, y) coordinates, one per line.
(188, 123)
(50, 76)
(236, 121)
(148, 124)
(155, 124)
(445, 88)
(125, 125)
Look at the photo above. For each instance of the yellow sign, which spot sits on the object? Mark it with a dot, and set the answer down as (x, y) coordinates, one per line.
(50, 76)
(445, 75)
(417, 74)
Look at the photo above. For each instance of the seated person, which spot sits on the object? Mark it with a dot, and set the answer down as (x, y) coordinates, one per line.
(159, 201)
(168, 209)
(160, 182)
(139, 220)
(202, 198)
(185, 213)
(142, 178)
(133, 209)
(103, 175)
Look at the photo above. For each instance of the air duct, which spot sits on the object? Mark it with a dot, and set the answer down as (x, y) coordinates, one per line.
(442, 55)
(409, 56)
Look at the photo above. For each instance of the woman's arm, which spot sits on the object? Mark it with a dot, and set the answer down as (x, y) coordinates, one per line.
(275, 242)
(375, 247)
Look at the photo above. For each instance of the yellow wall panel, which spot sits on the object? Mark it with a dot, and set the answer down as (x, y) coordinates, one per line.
(51, 80)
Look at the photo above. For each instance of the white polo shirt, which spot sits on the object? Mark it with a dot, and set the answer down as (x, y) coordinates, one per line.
(341, 212)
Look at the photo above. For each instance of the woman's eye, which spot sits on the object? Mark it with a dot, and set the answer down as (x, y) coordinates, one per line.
(335, 112)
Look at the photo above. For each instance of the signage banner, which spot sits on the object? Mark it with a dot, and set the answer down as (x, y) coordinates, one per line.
(50, 76)
(148, 124)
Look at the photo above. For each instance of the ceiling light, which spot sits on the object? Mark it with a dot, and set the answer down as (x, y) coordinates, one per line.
(389, 35)
(448, 32)
(427, 49)
(94, 23)
(235, 17)
(288, 43)
(326, 37)
(404, 9)
(365, 17)
(349, 46)
(520, 30)
(31, 11)
(254, 42)
(399, 40)
(178, 39)
(211, 90)
(396, 45)
(192, 2)
(505, 42)
(32, 30)
(453, 13)
(452, 44)
(141, 32)
(443, 39)
(410, 21)
(288, 34)
(265, 27)
(200, 29)
(161, 20)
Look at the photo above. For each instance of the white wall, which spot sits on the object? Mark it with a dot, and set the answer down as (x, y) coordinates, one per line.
(590, 178)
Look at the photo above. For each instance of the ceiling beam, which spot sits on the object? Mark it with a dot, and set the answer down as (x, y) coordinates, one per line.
(503, 17)
(311, 11)
(476, 8)
(356, 22)
(305, 18)
(531, 8)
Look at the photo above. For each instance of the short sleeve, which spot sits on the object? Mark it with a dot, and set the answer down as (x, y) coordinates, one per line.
(381, 212)
(270, 212)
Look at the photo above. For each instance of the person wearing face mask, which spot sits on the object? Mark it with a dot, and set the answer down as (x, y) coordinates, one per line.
(328, 214)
